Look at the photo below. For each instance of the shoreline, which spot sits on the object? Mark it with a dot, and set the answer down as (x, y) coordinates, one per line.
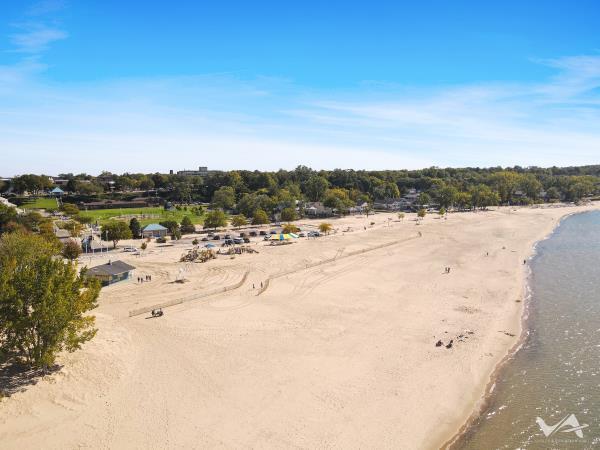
(483, 403)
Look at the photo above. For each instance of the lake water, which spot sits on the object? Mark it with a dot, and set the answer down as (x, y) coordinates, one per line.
(557, 371)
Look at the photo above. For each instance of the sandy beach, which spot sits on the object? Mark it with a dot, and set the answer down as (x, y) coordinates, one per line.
(336, 351)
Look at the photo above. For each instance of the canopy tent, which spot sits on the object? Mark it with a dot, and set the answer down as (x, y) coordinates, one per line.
(283, 236)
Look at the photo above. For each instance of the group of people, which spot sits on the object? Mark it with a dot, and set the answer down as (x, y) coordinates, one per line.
(144, 278)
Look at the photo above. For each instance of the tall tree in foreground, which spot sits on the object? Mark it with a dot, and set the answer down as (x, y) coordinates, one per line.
(43, 301)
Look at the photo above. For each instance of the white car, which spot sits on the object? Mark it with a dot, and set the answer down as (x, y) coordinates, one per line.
(130, 249)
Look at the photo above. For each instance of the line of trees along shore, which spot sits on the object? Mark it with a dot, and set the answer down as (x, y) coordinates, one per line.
(245, 192)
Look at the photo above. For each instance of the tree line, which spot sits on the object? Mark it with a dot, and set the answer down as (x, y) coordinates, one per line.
(248, 192)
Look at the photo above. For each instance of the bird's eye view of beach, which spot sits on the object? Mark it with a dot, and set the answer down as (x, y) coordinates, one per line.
(299, 225)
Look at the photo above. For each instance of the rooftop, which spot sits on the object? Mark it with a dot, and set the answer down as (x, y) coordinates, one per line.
(154, 227)
(112, 268)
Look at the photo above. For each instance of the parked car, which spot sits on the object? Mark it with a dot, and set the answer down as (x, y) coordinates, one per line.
(314, 234)
(262, 233)
(273, 232)
(227, 236)
(246, 240)
(266, 238)
(302, 234)
(130, 249)
(228, 242)
(253, 233)
(242, 235)
(216, 237)
(204, 239)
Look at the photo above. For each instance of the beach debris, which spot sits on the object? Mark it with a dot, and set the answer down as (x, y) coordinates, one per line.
(197, 255)
(507, 333)
(449, 344)
(439, 343)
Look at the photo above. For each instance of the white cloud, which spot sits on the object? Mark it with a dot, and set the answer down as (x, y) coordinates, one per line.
(161, 123)
(35, 38)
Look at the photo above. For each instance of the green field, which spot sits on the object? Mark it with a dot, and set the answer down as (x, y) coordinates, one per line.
(40, 203)
(144, 215)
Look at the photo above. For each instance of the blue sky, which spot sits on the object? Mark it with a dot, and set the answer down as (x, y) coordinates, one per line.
(148, 86)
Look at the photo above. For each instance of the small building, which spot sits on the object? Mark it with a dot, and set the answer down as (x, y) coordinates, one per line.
(112, 272)
(154, 230)
(90, 245)
(57, 192)
(317, 209)
(201, 172)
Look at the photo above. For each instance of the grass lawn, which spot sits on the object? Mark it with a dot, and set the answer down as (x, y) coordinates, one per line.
(144, 215)
(40, 203)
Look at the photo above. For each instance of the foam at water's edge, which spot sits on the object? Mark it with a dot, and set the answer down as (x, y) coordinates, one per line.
(483, 404)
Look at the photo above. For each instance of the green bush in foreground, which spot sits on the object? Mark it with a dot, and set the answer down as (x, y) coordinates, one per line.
(43, 301)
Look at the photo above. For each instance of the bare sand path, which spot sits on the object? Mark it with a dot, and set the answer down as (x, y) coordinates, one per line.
(340, 355)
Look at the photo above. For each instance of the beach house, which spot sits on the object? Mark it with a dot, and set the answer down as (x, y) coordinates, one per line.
(112, 272)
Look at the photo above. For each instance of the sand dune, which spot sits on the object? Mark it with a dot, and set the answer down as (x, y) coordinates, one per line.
(338, 352)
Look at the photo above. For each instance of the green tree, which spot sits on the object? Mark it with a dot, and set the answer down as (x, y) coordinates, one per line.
(72, 226)
(446, 196)
(224, 198)
(43, 301)
(338, 199)
(144, 246)
(84, 220)
(442, 211)
(505, 183)
(288, 214)
(553, 193)
(290, 228)
(215, 218)
(136, 228)
(239, 221)
(8, 214)
(115, 231)
(421, 213)
(70, 209)
(315, 187)
(260, 217)
(401, 216)
(187, 226)
(481, 196)
(171, 225)
(423, 199)
(463, 200)
(325, 227)
(71, 250)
